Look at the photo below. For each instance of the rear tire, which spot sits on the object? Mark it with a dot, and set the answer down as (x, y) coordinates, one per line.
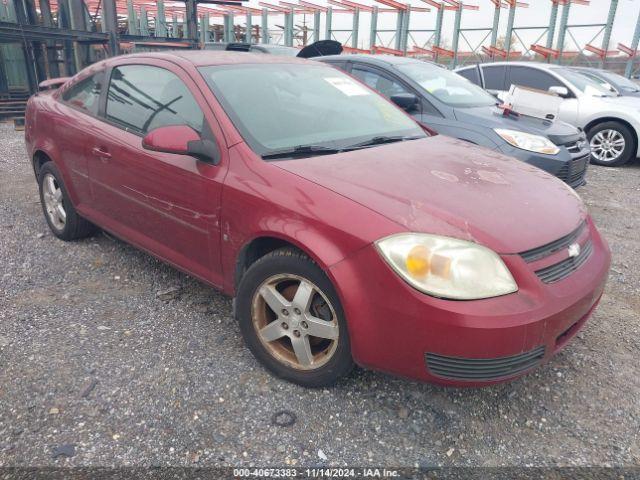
(292, 321)
(612, 144)
(62, 218)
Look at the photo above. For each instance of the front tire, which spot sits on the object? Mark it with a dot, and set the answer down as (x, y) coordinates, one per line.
(62, 218)
(292, 321)
(612, 144)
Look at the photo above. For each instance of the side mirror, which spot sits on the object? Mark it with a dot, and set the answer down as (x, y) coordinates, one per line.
(406, 101)
(560, 91)
(181, 140)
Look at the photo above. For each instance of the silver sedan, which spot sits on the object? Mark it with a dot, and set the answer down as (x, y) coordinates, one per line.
(612, 122)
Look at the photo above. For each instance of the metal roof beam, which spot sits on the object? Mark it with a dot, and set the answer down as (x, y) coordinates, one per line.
(360, 6)
(312, 6)
(394, 4)
(277, 8)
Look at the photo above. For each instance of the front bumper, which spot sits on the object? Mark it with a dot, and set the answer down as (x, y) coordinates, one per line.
(570, 166)
(395, 328)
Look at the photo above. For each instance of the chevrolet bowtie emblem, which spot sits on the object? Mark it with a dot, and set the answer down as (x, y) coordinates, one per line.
(574, 250)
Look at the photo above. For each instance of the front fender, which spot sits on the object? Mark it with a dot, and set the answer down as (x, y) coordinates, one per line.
(320, 249)
(261, 200)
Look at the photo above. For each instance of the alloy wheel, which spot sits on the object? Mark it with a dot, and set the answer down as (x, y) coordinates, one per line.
(53, 202)
(295, 321)
(607, 145)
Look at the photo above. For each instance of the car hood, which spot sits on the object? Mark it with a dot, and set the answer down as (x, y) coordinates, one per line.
(493, 117)
(448, 187)
(626, 102)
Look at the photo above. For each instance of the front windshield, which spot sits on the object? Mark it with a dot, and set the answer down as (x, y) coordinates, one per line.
(446, 86)
(282, 106)
(598, 79)
(583, 83)
(619, 81)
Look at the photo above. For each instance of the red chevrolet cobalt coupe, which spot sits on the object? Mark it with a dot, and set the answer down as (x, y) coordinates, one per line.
(346, 233)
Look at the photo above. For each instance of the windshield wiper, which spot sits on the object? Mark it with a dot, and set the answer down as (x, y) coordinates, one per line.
(310, 150)
(380, 141)
(301, 151)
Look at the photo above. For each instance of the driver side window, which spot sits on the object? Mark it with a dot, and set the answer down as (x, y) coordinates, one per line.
(381, 83)
(533, 78)
(142, 97)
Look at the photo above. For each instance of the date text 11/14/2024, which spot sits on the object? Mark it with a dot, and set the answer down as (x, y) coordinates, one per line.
(315, 473)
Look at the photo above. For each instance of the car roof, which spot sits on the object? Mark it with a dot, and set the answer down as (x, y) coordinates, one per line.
(596, 71)
(586, 69)
(538, 65)
(205, 58)
(373, 59)
(270, 46)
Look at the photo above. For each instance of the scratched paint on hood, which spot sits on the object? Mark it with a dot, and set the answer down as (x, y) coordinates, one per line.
(425, 184)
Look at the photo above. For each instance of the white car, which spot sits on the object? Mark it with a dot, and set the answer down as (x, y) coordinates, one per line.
(611, 122)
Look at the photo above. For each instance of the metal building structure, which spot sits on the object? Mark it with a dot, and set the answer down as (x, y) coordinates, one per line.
(40, 39)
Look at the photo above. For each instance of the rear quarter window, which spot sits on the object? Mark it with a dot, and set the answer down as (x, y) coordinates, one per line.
(471, 74)
(495, 77)
(85, 94)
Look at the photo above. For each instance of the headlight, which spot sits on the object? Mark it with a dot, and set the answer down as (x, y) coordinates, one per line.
(527, 141)
(447, 267)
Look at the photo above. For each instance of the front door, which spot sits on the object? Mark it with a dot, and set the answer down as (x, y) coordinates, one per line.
(166, 203)
(389, 85)
(541, 80)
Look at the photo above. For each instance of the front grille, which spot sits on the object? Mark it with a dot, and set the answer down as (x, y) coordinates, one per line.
(563, 173)
(573, 172)
(566, 267)
(479, 369)
(577, 170)
(555, 246)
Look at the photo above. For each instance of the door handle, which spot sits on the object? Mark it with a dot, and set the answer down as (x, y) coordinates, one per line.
(98, 152)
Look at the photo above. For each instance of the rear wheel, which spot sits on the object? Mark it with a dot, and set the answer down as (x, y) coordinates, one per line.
(612, 144)
(62, 218)
(291, 319)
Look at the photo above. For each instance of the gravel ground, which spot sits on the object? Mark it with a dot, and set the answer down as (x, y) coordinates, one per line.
(95, 363)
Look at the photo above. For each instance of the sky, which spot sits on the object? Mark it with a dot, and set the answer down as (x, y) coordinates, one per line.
(537, 14)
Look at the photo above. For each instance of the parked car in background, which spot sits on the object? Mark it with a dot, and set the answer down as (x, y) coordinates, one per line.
(452, 106)
(344, 230)
(611, 122)
(612, 81)
(316, 49)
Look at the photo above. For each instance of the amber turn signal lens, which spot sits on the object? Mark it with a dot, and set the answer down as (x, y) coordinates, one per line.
(418, 261)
